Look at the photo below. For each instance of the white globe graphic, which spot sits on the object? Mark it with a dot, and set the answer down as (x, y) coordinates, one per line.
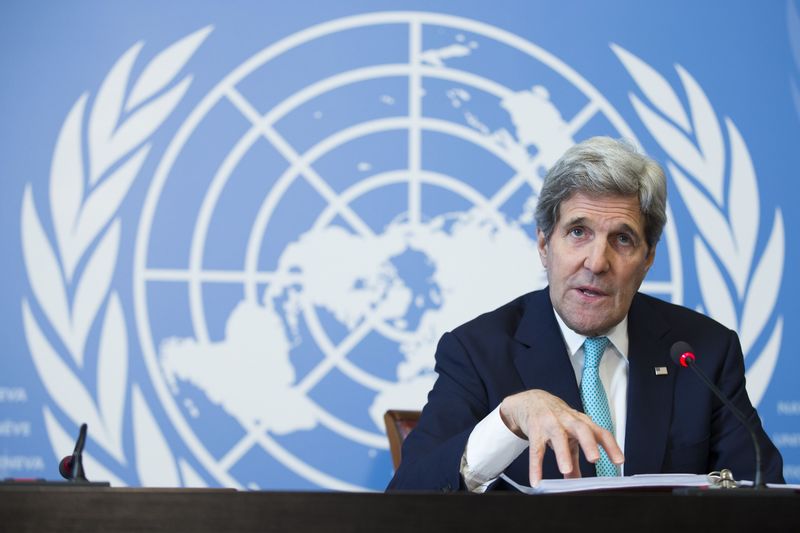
(341, 218)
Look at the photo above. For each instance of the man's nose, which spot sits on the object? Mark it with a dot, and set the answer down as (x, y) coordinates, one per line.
(597, 257)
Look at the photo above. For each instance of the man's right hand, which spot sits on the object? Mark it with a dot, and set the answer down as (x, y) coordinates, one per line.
(545, 420)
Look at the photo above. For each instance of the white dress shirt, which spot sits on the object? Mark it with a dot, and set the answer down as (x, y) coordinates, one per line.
(491, 446)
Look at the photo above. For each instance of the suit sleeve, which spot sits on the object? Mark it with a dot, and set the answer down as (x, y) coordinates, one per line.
(731, 445)
(431, 455)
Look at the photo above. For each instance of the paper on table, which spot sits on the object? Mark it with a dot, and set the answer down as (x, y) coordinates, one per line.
(553, 486)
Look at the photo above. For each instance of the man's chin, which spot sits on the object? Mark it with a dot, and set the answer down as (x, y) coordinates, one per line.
(590, 327)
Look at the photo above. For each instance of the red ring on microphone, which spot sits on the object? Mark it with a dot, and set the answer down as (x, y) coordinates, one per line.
(685, 356)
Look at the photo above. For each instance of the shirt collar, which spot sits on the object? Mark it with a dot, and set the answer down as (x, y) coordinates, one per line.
(618, 335)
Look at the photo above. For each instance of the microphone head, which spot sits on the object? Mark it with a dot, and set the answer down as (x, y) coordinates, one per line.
(65, 468)
(681, 353)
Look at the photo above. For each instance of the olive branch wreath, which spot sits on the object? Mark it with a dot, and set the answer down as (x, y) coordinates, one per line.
(739, 288)
(70, 279)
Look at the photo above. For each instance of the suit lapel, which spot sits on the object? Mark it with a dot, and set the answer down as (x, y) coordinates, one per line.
(543, 362)
(650, 396)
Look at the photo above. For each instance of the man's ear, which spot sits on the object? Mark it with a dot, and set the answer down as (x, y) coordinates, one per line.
(651, 256)
(541, 245)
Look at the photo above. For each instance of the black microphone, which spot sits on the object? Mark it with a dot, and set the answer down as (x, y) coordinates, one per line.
(683, 355)
(71, 466)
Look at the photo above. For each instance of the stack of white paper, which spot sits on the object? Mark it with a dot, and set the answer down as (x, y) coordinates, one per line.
(553, 486)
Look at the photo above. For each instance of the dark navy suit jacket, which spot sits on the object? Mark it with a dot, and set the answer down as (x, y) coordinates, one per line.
(674, 424)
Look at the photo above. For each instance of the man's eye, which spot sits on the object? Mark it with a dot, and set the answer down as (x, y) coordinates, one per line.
(577, 232)
(625, 239)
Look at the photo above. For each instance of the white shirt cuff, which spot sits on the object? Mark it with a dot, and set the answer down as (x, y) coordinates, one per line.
(491, 447)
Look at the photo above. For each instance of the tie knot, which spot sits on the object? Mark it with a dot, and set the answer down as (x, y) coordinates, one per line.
(593, 348)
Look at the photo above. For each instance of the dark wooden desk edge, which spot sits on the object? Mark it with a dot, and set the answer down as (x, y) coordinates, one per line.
(197, 510)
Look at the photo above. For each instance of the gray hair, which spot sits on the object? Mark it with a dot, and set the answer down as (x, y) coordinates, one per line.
(604, 166)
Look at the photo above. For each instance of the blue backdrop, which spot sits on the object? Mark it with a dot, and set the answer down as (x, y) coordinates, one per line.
(232, 233)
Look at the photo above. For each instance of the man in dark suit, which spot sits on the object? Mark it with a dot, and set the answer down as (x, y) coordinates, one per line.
(580, 371)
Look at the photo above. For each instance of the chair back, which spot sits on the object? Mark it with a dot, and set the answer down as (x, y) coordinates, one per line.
(398, 425)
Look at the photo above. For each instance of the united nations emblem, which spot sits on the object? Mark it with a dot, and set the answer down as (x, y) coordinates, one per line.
(316, 225)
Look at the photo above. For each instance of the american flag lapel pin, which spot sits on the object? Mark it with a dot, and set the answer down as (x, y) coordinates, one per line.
(661, 371)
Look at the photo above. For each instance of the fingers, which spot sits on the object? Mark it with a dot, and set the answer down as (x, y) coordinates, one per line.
(562, 449)
(576, 471)
(590, 435)
(610, 446)
(567, 441)
(546, 420)
(566, 450)
(536, 456)
(584, 432)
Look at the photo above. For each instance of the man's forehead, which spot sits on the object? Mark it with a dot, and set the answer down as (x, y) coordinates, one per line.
(618, 209)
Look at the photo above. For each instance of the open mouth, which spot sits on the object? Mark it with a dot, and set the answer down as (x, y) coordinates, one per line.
(591, 292)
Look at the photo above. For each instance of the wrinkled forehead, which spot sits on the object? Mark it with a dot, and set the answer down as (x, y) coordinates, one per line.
(609, 209)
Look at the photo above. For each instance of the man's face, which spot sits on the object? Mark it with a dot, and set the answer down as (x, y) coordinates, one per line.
(596, 258)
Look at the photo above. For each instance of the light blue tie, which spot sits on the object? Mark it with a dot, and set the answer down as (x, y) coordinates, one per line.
(595, 402)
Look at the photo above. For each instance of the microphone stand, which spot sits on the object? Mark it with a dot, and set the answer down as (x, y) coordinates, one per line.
(758, 481)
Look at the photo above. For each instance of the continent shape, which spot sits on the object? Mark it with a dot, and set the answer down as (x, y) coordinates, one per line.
(248, 374)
